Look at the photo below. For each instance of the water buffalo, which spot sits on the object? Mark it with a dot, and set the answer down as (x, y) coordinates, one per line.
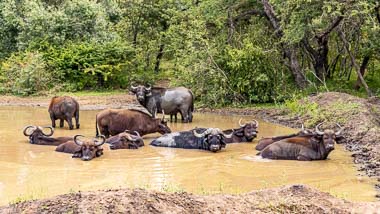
(125, 140)
(171, 101)
(115, 121)
(315, 146)
(212, 139)
(264, 142)
(246, 133)
(38, 136)
(86, 149)
(64, 108)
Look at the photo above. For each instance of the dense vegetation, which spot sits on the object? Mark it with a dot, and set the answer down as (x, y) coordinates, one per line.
(227, 52)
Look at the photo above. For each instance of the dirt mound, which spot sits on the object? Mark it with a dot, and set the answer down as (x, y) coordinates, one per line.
(289, 199)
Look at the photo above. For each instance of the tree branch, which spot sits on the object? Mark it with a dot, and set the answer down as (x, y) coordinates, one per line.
(248, 14)
(333, 25)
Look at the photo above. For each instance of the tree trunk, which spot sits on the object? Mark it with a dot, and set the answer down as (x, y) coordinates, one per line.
(321, 59)
(289, 51)
(357, 69)
(363, 67)
(158, 58)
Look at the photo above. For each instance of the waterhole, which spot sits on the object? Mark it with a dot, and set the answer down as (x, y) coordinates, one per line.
(33, 171)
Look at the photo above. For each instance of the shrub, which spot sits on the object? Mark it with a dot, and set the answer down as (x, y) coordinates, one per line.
(25, 74)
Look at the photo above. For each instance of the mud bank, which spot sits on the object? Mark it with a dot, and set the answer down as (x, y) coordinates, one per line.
(288, 199)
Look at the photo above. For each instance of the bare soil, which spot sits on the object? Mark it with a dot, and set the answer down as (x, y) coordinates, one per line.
(360, 117)
(288, 199)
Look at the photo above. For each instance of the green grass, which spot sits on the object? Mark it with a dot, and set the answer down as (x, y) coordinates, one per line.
(94, 93)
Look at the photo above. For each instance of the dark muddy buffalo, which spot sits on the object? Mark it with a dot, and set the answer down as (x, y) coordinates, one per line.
(125, 140)
(64, 108)
(264, 142)
(171, 101)
(246, 133)
(115, 121)
(212, 139)
(86, 149)
(316, 146)
(38, 136)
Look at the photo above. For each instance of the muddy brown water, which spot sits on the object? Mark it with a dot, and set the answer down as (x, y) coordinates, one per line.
(33, 171)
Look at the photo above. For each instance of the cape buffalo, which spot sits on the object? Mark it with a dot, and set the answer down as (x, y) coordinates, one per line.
(264, 142)
(246, 133)
(86, 150)
(114, 121)
(315, 146)
(64, 108)
(212, 139)
(171, 101)
(38, 136)
(125, 140)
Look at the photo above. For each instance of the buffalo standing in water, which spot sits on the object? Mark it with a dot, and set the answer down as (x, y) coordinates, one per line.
(315, 146)
(212, 139)
(64, 108)
(125, 140)
(86, 149)
(115, 121)
(171, 101)
(37, 136)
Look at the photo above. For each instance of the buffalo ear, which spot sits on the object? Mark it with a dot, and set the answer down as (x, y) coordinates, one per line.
(339, 138)
(99, 151)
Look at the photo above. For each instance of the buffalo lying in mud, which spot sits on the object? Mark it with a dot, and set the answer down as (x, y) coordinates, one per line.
(246, 133)
(64, 108)
(306, 147)
(37, 136)
(212, 139)
(115, 121)
(125, 140)
(168, 100)
(264, 142)
(84, 149)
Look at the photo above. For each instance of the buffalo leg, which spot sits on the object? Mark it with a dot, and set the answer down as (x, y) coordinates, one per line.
(171, 117)
(185, 117)
(77, 119)
(303, 158)
(175, 117)
(190, 113)
(52, 120)
(69, 120)
(61, 123)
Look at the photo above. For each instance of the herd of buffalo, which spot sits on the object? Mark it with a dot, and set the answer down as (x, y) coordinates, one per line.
(124, 128)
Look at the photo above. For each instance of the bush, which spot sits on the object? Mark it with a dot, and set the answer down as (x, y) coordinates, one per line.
(25, 74)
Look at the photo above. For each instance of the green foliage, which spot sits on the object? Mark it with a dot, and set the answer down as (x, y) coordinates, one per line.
(25, 74)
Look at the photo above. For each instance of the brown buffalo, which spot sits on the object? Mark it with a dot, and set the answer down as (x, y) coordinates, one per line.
(37, 136)
(125, 140)
(84, 149)
(264, 142)
(246, 133)
(64, 108)
(115, 121)
(315, 146)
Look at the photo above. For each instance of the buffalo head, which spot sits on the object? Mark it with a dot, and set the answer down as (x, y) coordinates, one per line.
(125, 140)
(141, 92)
(89, 149)
(163, 125)
(35, 133)
(328, 136)
(249, 129)
(213, 138)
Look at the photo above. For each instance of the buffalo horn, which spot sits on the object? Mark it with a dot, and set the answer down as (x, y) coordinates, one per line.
(340, 130)
(51, 131)
(137, 134)
(256, 123)
(133, 87)
(97, 143)
(225, 135)
(163, 115)
(79, 143)
(27, 128)
(317, 129)
(241, 125)
(201, 134)
(148, 87)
